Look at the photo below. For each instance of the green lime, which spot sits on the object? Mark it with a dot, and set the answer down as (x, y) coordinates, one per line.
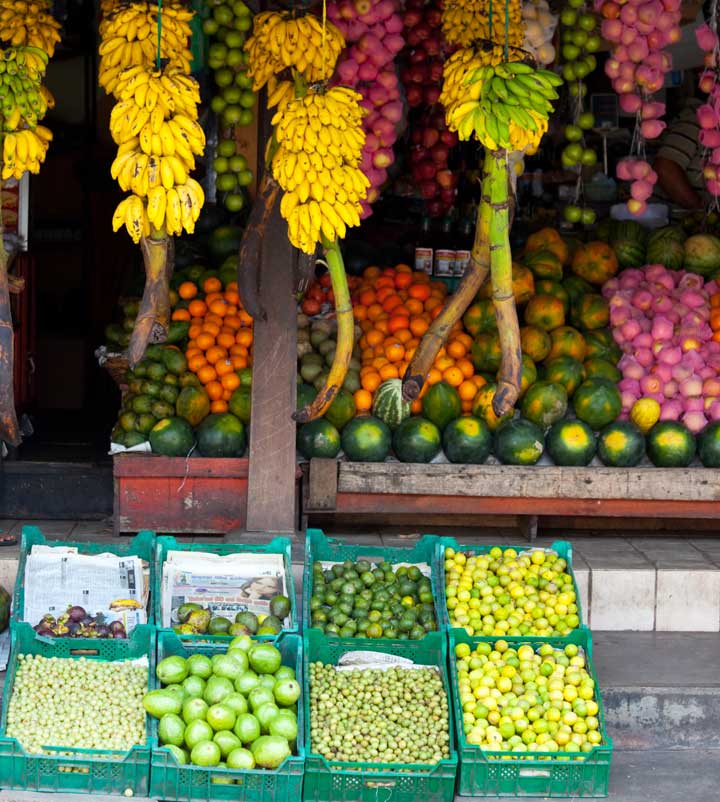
(259, 696)
(199, 665)
(265, 658)
(247, 728)
(234, 202)
(205, 753)
(226, 182)
(237, 163)
(218, 104)
(171, 730)
(235, 702)
(171, 670)
(217, 689)
(232, 95)
(223, 14)
(224, 77)
(196, 732)
(194, 686)
(227, 741)
(220, 717)
(241, 759)
(286, 692)
(226, 148)
(194, 709)
(235, 39)
(210, 27)
(245, 178)
(232, 115)
(221, 165)
(246, 117)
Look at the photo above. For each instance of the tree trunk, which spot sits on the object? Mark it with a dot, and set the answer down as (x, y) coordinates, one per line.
(153, 317)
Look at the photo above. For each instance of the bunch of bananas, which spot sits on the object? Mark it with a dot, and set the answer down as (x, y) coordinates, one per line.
(280, 41)
(506, 105)
(24, 150)
(155, 126)
(29, 22)
(465, 22)
(129, 38)
(317, 164)
(279, 93)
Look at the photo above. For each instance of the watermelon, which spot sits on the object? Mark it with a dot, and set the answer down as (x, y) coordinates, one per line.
(417, 440)
(597, 402)
(565, 370)
(535, 342)
(621, 445)
(665, 247)
(576, 287)
(342, 409)
(388, 404)
(549, 287)
(601, 368)
(221, 435)
(441, 404)
(224, 241)
(519, 442)
(571, 442)
(240, 403)
(318, 438)
(485, 352)
(482, 407)
(601, 344)
(708, 443)
(305, 395)
(544, 264)
(366, 439)
(172, 437)
(628, 240)
(193, 405)
(544, 403)
(467, 440)
(592, 312)
(702, 254)
(670, 445)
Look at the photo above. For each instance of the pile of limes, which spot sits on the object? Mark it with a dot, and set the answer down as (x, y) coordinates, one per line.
(505, 592)
(523, 700)
(366, 600)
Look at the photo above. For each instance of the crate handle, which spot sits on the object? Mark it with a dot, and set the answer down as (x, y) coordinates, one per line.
(534, 772)
(85, 651)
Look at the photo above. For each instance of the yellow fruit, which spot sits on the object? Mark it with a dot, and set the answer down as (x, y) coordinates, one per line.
(645, 413)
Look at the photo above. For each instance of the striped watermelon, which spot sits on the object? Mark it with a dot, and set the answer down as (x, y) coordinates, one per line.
(665, 247)
(388, 404)
(628, 241)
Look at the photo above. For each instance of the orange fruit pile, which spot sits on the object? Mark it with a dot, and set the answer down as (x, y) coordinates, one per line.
(715, 316)
(220, 337)
(394, 308)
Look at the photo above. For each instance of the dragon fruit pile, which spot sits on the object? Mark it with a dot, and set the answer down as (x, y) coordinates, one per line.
(372, 29)
(660, 320)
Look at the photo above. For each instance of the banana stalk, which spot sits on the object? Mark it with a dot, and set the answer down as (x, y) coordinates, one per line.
(345, 336)
(508, 386)
(475, 276)
(153, 317)
(9, 429)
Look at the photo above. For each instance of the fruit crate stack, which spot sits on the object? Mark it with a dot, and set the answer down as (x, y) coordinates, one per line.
(520, 685)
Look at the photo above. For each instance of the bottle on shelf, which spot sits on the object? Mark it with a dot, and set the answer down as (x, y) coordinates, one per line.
(424, 251)
(465, 241)
(445, 250)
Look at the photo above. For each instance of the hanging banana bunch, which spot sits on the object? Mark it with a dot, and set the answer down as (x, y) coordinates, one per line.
(29, 34)
(314, 157)
(492, 93)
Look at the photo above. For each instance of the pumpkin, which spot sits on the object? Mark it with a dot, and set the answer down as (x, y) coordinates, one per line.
(485, 352)
(535, 342)
(595, 262)
(480, 318)
(592, 312)
(567, 341)
(545, 311)
(544, 264)
(548, 239)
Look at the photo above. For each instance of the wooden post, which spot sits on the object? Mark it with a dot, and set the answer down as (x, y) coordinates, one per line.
(271, 478)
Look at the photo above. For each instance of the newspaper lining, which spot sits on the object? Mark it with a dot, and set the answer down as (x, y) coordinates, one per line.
(57, 577)
(227, 584)
(365, 661)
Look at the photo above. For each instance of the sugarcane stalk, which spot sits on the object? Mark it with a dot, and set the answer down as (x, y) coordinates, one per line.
(455, 306)
(9, 429)
(509, 377)
(345, 336)
(153, 317)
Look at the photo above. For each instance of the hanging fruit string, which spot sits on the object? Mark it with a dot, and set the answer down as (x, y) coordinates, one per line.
(158, 62)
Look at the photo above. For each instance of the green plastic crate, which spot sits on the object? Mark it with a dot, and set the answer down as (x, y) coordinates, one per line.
(487, 773)
(86, 771)
(319, 547)
(327, 781)
(562, 547)
(278, 545)
(173, 782)
(142, 545)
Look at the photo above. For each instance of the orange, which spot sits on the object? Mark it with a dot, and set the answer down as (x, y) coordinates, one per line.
(238, 350)
(211, 328)
(181, 314)
(403, 280)
(416, 407)
(379, 361)
(478, 381)
(191, 352)
(232, 286)
(214, 390)
(434, 376)
(245, 317)
(395, 352)
(197, 308)
(465, 339)
(382, 323)
(365, 325)
(414, 307)
(419, 291)
(402, 367)
(360, 312)
(466, 406)
(219, 406)
(436, 311)
(456, 349)
(215, 354)
(367, 354)
(205, 340)
(442, 363)
(232, 297)
(187, 290)
(371, 272)
(404, 335)
(431, 304)
(363, 400)
(453, 376)
(716, 337)
(389, 271)
(230, 381)
(223, 367)
(410, 351)
(239, 361)
(467, 367)
(196, 362)
(193, 331)
(371, 381)
(367, 298)
(219, 308)
(420, 278)
(384, 281)
(226, 340)
(388, 372)
(374, 311)
(715, 301)
(207, 374)
(232, 322)
(397, 322)
(391, 302)
(418, 326)
(374, 338)
(244, 337)
(383, 293)
(467, 390)
(212, 284)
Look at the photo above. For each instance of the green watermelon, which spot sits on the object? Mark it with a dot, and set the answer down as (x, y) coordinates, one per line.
(576, 287)
(544, 403)
(605, 229)
(670, 445)
(571, 442)
(240, 403)
(467, 440)
(549, 287)
(388, 404)
(628, 240)
(172, 437)
(665, 247)
(224, 241)
(702, 254)
(366, 439)
(342, 409)
(417, 440)
(601, 368)
(597, 402)
(519, 442)
(600, 344)
(221, 435)
(565, 370)
(708, 443)
(305, 395)
(621, 445)
(318, 438)
(591, 312)
(441, 404)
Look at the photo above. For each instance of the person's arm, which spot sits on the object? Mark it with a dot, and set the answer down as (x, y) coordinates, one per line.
(674, 183)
